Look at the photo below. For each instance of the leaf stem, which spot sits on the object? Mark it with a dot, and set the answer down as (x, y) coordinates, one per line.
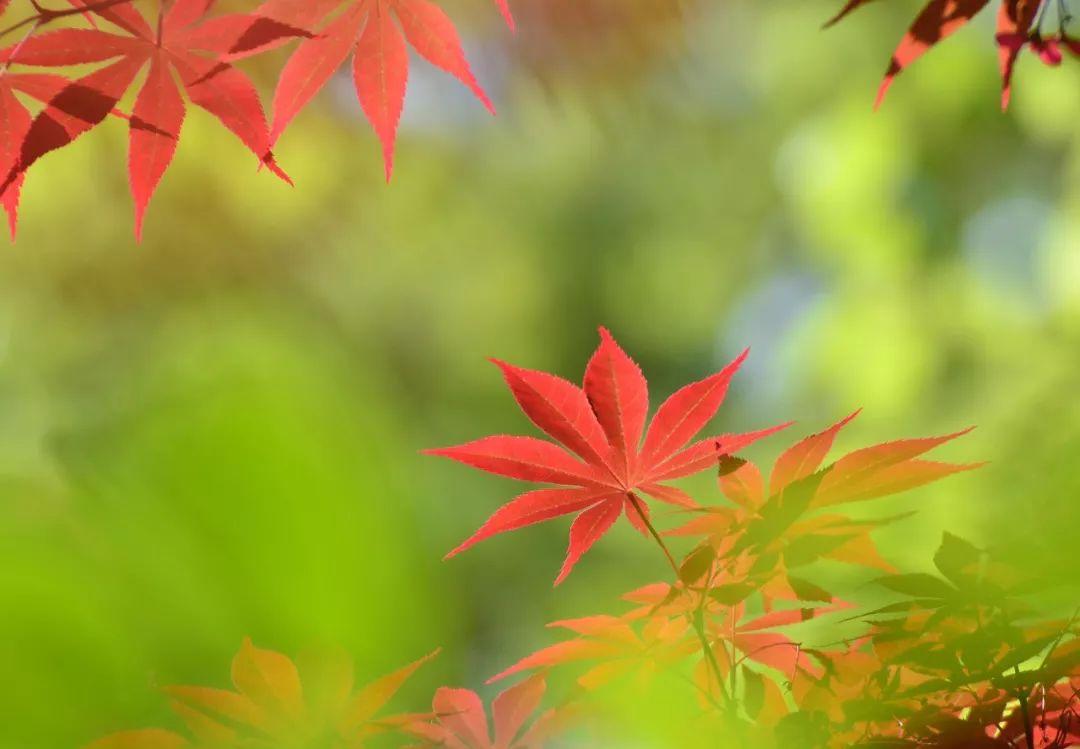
(636, 502)
(698, 618)
(15, 50)
(46, 15)
(1029, 730)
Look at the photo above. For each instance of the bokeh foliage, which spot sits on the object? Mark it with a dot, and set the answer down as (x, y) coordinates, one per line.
(216, 434)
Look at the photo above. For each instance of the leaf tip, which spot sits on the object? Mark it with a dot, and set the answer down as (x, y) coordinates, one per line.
(13, 224)
(139, 225)
(463, 546)
(882, 91)
(270, 162)
(961, 433)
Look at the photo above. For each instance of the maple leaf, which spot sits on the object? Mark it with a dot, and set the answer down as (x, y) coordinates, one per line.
(275, 702)
(461, 722)
(603, 424)
(182, 46)
(375, 33)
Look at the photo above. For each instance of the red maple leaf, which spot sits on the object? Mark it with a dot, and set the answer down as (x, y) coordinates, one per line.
(603, 424)
(181, 44)
(375, 32)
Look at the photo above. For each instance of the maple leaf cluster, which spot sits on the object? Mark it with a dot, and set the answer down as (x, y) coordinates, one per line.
(962, 660)
(177, 52)
(1021, 24)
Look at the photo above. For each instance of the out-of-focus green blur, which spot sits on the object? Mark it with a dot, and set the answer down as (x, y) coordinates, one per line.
(216, 433)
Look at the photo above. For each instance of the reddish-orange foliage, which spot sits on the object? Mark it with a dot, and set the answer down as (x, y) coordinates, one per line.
(1019, 26)
(187, 43)
(958, 658)
(278, 702)
(950, 664)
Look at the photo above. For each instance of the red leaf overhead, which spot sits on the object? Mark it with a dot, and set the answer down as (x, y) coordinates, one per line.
(155, 129)
(380, 73)
(175, 46)
(1014, 21)
(1017, 28)
(938, 20)
(374, 32)
(602, 424)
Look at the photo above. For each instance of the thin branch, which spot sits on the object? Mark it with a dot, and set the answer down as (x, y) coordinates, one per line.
(1029, 729)
(636, 502)
(698, 619)
(15, 50)
(45, 15)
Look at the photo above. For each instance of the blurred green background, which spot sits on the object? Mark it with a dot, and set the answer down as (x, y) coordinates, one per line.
(216, 433)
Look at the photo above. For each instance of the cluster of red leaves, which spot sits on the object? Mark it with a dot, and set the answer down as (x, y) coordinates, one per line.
(1019, 26)
(184, 49)
(950, 665)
